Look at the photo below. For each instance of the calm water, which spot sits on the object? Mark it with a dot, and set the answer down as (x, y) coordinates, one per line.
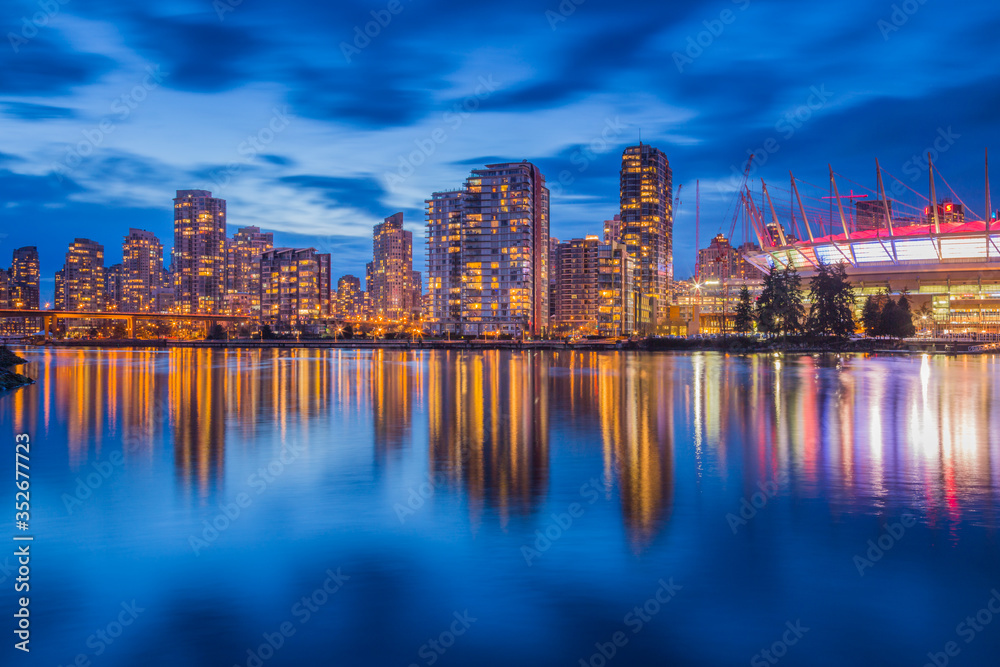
(505, 508)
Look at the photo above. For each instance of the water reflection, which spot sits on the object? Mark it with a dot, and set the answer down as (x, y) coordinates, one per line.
(864, 434)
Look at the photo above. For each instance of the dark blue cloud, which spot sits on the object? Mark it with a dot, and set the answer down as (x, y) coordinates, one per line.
(27, 111)
(361, 193)
(48, 66)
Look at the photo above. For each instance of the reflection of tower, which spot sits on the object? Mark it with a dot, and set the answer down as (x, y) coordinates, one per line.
(394, 383)
(198, 412)
(488, 427)
(637, 425)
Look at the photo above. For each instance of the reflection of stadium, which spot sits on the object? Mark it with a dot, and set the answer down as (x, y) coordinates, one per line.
(947, 263)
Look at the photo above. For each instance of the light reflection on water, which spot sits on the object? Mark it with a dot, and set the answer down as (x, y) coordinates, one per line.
(486, 447)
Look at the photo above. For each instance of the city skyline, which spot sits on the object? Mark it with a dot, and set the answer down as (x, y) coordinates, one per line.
(330, 166)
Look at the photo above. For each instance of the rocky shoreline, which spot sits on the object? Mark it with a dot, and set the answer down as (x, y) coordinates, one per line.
(8, 378)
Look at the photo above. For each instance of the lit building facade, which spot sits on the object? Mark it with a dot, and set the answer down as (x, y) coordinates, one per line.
(505, 251)
(350, 300)
(25, 278)
(199, 253)
(80, 283)
(389, 277)
(721, 261)
(243, 253)
(647, 224)
(444, 261)
(114, 288)
(577, 290)
(141, 271)
(292, 286)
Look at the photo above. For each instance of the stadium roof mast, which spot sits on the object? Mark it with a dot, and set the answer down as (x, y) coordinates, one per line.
(989, 205)
(934, 207)
(888, 211)
(843, 218)
(802, 209)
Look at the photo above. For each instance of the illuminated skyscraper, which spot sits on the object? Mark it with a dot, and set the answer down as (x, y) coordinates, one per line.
(503, 283)
(292, 286)
(82, 277)
(114, 288)
(199, 254)
(444, 261)
(141, 271)
(243, 253)
(350, 301)
(577, 271)
(647, 224)
(389, 277)
(25, 277)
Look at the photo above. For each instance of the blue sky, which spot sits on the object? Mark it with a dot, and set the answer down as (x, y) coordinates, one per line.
(316, 131)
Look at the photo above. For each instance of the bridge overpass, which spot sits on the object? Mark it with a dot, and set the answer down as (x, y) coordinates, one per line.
(51, 317)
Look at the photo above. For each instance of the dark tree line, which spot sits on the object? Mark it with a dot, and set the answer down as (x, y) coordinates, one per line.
(780, 310)
(882, 316)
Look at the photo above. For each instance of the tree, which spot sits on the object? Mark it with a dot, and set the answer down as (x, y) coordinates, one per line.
(925, 314)
(887, 318)
(119, 331)
(744, 312)
(780, 309)
(903, 324)
(832, 312)
(266, 332)
(766, 316)
(871, 315)
(216, 333)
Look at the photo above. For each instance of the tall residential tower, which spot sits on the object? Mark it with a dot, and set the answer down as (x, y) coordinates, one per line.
(199, 255)
(647, 224)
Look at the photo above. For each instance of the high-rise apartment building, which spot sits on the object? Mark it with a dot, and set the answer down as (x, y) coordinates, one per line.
(444, 261)
(720, 261)
(199, 253)
(647, 224)
(613, 229)
(243, 253)
(350, 300)
(869, 214)
(292, 286)
(620, 304)
(141, 271)
(389, 276)
(4, 289)
(25, 278)
(504, 254)
(80, 283)
(577, 291)
(114, 288)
